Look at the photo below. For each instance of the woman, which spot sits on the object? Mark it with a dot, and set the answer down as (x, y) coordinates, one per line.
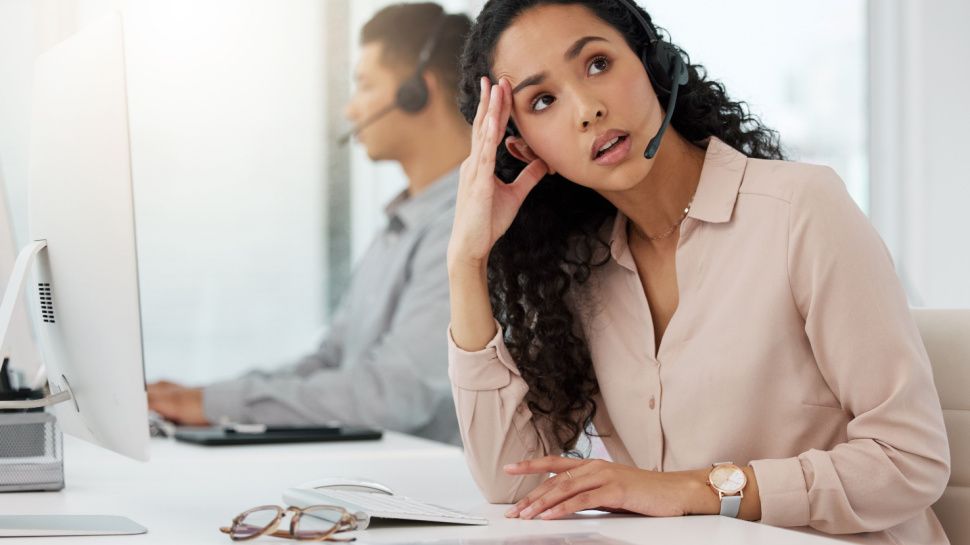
(711, 303)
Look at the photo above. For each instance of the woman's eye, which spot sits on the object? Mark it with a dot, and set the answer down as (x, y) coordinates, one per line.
(542, 102)
(599, 64)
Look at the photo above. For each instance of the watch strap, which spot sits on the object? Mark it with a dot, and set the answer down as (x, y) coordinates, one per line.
(730, 506)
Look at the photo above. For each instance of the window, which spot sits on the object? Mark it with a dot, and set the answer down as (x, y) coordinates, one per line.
(800, 66)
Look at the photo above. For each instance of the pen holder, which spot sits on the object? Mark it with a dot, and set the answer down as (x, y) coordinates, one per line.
(31, 452)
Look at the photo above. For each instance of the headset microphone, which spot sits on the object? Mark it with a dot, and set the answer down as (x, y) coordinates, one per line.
(343, 140)
(670, 61)
(679, 77)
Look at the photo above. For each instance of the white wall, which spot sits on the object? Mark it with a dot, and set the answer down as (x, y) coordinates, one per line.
(226, 101)
(16, 69)
(226, 112)
(919, 51)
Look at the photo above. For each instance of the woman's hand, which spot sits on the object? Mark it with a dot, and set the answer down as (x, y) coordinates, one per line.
(607, 486)
(486, 206)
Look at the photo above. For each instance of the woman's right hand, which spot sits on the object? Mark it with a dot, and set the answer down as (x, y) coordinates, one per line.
(485, 205)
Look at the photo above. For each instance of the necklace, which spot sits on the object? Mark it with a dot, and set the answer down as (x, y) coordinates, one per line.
(673, 227)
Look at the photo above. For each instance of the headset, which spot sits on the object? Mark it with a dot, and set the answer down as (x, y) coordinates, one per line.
(669, 59)
(412, 94)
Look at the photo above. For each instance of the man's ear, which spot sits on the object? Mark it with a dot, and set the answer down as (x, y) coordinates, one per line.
(432, 84)
(521, 151)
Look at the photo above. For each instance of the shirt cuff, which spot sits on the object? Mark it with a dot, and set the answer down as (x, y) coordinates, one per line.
(782, 490)
(224, 401)
(490, 368)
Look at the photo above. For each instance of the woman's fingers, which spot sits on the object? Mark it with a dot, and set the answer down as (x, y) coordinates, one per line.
(536, 493)
(595, 498)
(564, 472)
(528, 179)
(483, 90)
(565, 490)
(471, 163)
(491, 130)
(505, 111)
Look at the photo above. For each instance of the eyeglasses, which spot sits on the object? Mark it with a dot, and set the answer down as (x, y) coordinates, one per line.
(320, 523)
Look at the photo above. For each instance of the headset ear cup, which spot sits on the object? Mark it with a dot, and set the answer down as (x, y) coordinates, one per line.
(412, 95)
(672, 63)
(662, 57)
(678, 71)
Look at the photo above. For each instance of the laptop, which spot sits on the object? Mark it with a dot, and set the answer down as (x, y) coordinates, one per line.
(240, 434)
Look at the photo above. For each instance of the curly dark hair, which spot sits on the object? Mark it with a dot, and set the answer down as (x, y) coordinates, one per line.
(555, 239)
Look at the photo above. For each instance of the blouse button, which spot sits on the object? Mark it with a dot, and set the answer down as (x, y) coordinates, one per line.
(653, 402)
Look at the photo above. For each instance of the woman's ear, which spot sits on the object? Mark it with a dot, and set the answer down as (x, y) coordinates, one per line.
(521, 151)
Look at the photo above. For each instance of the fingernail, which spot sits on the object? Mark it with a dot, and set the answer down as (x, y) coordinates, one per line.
(545, 515)
(508, 467)
(510, 513)
(527, 512)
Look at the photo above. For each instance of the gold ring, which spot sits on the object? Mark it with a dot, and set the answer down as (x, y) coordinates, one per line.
(569, 475)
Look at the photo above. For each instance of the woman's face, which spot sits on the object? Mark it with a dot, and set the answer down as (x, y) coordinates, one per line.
(577, 88)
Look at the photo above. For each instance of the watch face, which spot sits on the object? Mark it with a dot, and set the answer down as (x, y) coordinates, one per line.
(728, 478)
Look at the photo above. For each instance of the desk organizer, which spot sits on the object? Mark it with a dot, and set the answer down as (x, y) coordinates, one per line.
(31, 451)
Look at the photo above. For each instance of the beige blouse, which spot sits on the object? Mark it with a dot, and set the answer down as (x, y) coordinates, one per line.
(792, 350)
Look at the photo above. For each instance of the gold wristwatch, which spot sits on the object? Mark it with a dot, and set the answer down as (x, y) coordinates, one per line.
(728, 480)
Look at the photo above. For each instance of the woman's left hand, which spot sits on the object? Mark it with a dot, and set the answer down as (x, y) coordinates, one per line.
(597, 484)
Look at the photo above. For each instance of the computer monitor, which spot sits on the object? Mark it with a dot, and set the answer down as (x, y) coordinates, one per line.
(81, 203)
(82, 237)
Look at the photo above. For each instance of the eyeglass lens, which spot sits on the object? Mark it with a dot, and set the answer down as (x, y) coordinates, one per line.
(254, 522)
(318, 521)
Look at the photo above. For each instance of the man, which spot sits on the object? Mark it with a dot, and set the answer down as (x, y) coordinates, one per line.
(381, 363)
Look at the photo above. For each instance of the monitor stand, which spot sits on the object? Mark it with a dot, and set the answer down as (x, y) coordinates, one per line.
(67, 525)
(62, 525)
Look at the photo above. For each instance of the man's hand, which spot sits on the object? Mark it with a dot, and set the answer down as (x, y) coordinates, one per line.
(177, 403)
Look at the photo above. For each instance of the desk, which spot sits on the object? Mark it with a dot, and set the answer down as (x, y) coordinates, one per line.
(186, 492)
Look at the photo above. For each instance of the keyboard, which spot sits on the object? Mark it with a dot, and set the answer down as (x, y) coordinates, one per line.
(368, 505)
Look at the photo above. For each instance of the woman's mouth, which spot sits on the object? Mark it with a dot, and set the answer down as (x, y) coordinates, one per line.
(611, 147)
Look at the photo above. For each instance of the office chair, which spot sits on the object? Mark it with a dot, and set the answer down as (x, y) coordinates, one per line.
(946, 335)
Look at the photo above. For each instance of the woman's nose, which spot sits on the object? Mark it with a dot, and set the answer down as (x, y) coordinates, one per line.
(591, 118)
(590, 109)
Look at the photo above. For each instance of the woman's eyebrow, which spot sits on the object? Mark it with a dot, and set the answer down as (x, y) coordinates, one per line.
(534, 79)
(577, 47)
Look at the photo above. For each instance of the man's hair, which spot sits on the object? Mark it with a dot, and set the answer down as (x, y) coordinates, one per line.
(403, 30)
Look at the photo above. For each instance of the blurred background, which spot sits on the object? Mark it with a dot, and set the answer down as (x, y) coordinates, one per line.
(250, 217)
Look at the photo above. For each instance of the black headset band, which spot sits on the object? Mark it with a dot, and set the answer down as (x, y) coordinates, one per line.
(652, 36)
(427, 50)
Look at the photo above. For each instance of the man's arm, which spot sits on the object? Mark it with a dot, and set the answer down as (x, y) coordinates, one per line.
(184, 405)
(400, 383)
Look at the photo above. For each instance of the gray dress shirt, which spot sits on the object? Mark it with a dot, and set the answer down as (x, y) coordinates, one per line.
(383, 362)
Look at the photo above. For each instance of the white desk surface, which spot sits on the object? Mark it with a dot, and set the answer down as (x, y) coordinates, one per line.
(186, 492)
